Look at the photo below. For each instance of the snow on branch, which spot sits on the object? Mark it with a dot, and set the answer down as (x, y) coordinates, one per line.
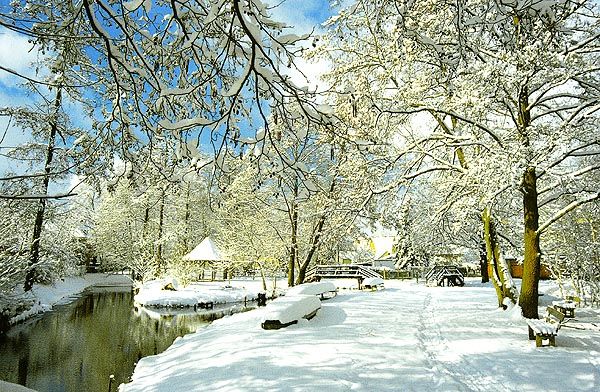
(575, 151)
(445, 112)
(567, 209)
(37, 197)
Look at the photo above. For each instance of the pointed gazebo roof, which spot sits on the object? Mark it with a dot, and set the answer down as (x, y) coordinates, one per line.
(206, 250)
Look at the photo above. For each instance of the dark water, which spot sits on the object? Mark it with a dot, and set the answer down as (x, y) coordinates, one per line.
(78, 346)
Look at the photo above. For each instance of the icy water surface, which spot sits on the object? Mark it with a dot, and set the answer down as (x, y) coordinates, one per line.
(79, 345)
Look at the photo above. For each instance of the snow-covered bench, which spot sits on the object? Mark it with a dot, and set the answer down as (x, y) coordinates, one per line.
(323, 290)
(373, 283)
(546, 329)
(567, 307)
(285, 311)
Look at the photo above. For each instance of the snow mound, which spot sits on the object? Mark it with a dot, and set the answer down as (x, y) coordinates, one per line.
(373, 282)
(316, 288)
(291, 308)
(152, 293)
(9, 387)
(167, 298)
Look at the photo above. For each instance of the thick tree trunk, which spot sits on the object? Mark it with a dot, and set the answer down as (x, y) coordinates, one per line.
(531, 261)
(34, 254)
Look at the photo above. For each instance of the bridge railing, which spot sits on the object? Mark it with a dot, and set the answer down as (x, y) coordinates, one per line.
(342, 271)
(440, 271)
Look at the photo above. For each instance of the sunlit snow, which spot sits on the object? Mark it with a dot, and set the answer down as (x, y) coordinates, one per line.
(407, 337)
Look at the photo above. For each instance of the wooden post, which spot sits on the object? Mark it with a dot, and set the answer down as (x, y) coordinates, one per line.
(110, 381)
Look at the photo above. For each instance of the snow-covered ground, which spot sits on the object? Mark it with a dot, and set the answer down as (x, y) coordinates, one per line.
(10, 387)
(44, 297)
(407, 337)
(152, 294)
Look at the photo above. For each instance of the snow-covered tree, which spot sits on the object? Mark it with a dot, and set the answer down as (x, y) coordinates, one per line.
(192, 71)
(148, 222)
(502, 94)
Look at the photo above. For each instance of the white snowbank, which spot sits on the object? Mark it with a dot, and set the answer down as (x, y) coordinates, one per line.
(315, 288)
(46, 296)
(151, 294)
(408, 337)
(9, 387)
(291, 308)
(373, 282)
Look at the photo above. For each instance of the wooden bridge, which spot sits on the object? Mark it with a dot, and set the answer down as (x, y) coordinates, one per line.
(341, 271)
(445, 275)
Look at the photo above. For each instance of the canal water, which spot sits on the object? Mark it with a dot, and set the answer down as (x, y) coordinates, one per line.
(77, 346)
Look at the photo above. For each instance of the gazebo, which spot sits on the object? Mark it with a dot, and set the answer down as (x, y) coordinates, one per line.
(208, 254)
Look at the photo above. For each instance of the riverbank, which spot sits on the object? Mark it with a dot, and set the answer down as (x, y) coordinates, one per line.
(43, 298)
(167, 293)
(406, 337)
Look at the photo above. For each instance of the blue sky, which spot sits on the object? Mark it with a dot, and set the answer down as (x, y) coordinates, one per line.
(17, 54)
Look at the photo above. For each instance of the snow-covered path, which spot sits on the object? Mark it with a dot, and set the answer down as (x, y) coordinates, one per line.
(407, 337)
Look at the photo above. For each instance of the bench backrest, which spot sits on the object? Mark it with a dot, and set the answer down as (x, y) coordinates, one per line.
(554, 316)
(573, 299)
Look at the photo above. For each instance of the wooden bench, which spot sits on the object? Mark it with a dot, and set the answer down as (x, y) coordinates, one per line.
(324, 290)
(546, 329)
(567, 307)
(276, 324)
(373, 284)
(286, 311)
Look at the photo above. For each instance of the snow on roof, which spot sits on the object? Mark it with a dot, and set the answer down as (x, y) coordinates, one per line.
(207, 250)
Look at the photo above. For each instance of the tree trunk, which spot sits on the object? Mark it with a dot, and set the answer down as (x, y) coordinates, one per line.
(315, 243)
(161, 215)
(531, 261)
(500, 271)
(294, 244)
(489, 236)
(34, 254)
(186, 227)
(262, 276)
(483, 263)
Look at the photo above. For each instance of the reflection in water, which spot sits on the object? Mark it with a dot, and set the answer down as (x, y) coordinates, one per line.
(79, 345)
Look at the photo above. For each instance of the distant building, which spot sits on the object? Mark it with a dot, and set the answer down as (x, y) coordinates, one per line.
(516, 269)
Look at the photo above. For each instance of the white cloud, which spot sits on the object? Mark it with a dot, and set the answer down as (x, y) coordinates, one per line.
(310, 75)
(16, 53)
(303, 15)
